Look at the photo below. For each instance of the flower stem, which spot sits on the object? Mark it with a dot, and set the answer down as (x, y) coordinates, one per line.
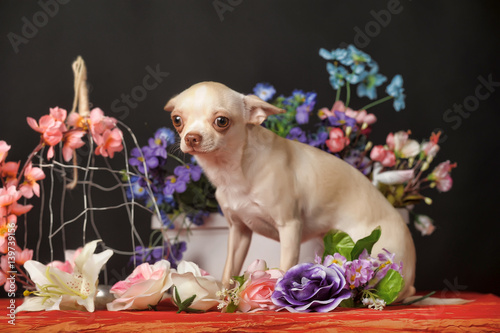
(28, 160)
(337, 98)
(380, 101)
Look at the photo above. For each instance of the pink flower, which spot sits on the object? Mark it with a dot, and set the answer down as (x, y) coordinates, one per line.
(441, 175)
(325, 113)
(72, 141)
(337, 140)
(10, 286)
(382, 155)
(4, 148)
(9, 172)
(109, 143)
(62, 266)
(30, 185)
(18, 209)
(402, 145)
(3, 278)
(145, 286)
(7, 227)
(9, 196)
(362, 117)
(424, 224)
(431, 148)
(23, 255)
(257, 290)
(99, 123)
(69, 265)
(75, 120)
(52, 128)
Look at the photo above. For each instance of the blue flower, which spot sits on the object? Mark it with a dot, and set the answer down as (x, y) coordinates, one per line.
(358, 56)
(143, 157)
(177, 182)
(165, 135)
(341, 119)
(340, 55)
(198, 218)
(395, 89)
(325, 54)
(316, 140)
(162, 138)
(264, 91)
(370, 82)
(298, 134)
(165, 220)
(302, 115)
(337, 75)
(188, 171)
(172, 252)
(363, 164)
(176, 253)
(137, 190)
(357, 74)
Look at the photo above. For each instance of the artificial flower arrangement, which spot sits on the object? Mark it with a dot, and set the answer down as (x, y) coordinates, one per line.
(399, 168)
(180, 191)
(56, 129)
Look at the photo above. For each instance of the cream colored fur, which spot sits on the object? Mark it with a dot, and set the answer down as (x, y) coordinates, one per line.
(279, 188)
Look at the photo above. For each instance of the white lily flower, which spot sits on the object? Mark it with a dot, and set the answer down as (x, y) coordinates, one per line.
(392, 177)
(58, 290)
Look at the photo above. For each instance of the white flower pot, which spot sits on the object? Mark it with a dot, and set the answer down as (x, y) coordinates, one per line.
(207, 245)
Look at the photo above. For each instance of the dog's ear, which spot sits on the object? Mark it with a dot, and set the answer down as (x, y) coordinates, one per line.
(171, 104)
(258, 110)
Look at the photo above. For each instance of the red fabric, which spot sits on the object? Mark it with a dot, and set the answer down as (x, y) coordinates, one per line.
(482, 315)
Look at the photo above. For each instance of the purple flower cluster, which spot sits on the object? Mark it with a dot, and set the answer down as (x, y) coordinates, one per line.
(171, 252)
(364, 272)
(323, 285)
(157, 186)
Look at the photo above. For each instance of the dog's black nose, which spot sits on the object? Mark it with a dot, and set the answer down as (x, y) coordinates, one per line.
(193, 139)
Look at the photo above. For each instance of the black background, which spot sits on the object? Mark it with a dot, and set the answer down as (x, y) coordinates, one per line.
(440, 47)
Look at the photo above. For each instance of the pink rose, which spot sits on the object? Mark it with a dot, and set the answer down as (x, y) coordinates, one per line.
(145, 286)
(257, 290)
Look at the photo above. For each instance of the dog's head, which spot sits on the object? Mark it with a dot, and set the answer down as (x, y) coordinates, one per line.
(209, 117)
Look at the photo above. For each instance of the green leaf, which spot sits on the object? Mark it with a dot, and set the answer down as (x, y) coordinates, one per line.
(240, 279)
(366, 243)
(389, 287)
(184, 305)
(231, 308)
(338, 241)
(347, 303)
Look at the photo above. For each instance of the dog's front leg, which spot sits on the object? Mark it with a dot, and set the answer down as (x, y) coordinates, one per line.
(290, 239)
(239, 240)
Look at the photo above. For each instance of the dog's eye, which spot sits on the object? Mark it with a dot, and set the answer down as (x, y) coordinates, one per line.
(177, 121)
(222, 122)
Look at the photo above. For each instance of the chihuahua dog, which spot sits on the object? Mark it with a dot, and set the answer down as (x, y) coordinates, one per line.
(282, 189)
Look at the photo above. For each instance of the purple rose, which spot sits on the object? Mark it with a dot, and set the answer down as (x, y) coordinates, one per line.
(311, 287)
